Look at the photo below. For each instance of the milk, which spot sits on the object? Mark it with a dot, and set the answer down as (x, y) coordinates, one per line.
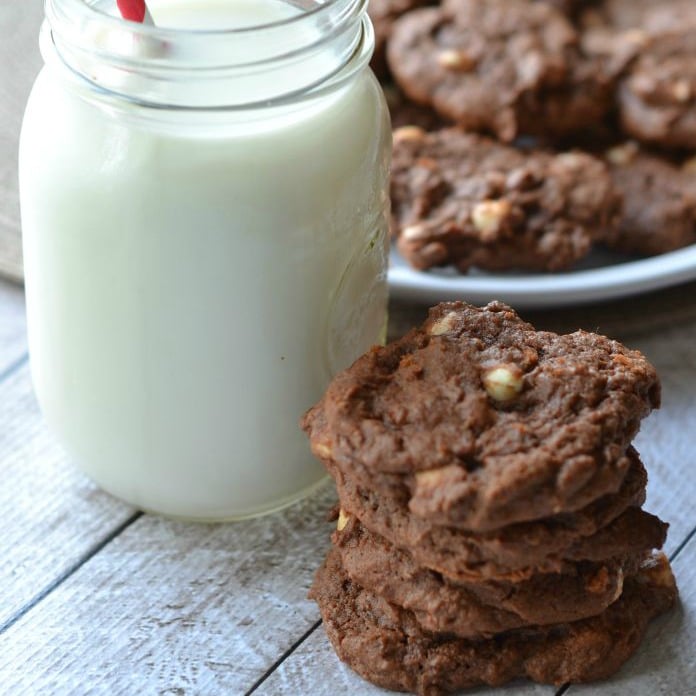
(193, 283)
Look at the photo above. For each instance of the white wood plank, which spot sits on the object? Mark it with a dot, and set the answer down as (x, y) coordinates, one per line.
(314, 669)
(51, 514)
(667, 438)
(13, 330)
(170, 607)
(665, 663)
(666, 443)
(19, 63)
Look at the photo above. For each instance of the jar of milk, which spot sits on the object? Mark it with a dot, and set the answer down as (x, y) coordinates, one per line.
(204, 204)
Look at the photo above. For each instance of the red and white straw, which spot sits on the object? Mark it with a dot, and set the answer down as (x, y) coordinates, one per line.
(135, 11)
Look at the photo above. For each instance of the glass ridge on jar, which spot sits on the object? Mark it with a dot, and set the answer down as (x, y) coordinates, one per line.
(205, 219)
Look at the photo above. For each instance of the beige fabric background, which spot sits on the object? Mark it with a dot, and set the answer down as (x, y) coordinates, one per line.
(19, 62)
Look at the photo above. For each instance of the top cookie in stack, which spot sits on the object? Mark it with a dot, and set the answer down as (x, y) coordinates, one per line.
(491, 523)
(539, 77)
(481, 421)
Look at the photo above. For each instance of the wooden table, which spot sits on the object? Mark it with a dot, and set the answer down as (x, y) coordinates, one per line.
(99, 598)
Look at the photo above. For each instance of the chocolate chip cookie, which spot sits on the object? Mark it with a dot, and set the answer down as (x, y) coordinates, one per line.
(485, 421)
(383, 13)
(659, 202)
(602, 531)
(657, 98)
(465, 200)
(475, 610)
(508, 67)
(643, 16)
(385, 643)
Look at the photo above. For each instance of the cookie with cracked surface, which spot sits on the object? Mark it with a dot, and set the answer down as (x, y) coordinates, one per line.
(643, 16)
(475, 610)
(468, 201)
(387, 646)
(485, 420)
(604, 530)
(659, 202)
(383, 14)
(509, 67)
(657, 97)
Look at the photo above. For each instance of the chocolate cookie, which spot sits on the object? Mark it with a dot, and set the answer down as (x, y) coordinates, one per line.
(465, 200)
(387, 646)
(475, 610)
(569, 7)
(657, 98)
(643, 16)
(383, 13)
(659, 202)
(508, 67)
(486, 421)
(513, 553)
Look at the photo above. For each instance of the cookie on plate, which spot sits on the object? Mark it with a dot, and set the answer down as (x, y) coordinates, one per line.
(383, 14)
(465, 200)
(485, 420)
(659, 202)
(386, 645)
(509, 67)
(642, 16)
(657, 97)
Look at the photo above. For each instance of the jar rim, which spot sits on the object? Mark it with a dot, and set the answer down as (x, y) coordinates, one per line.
(208, 68)
(87, 9)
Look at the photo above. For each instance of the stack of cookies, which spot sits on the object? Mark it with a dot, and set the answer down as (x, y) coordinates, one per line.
(479, 88)
(490, 524)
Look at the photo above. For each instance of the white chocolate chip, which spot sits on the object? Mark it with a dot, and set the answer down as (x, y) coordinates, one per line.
(430, 478)
(619, 585)
(456, 60)
(444, 325)
(622, 155)
(682, 91)
(414, 233)
(572, 160)
(503, 382)
(343, 519)
(488, 217)
(408, 134)
(321, 450)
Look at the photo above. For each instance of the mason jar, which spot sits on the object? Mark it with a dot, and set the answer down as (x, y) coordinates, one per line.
(204, 208)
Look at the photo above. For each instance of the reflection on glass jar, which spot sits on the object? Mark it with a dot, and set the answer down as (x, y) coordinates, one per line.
(201, 210)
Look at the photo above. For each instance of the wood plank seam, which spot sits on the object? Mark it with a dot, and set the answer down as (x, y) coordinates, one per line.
(283, 657)
(16, 365)
(566, 687)
(681, 546)
(53, 585)
(562, 690)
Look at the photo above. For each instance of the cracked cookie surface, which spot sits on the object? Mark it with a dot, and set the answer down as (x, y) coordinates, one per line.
(420, 409)
(464, 200)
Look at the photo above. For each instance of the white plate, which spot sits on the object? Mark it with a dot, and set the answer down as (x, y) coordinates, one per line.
(602, 276)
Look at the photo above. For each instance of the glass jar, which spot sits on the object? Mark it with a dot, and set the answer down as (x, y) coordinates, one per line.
(205, 236)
